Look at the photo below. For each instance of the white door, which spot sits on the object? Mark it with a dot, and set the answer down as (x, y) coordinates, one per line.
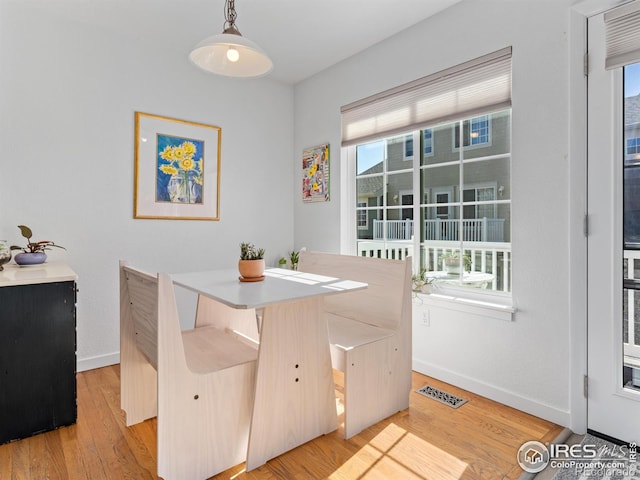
(613, 335)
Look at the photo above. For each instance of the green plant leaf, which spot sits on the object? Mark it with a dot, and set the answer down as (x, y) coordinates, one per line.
(26, 231)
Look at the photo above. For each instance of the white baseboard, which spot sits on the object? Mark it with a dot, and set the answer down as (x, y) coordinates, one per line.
(511, 399)
(98, 361)
(547, 412)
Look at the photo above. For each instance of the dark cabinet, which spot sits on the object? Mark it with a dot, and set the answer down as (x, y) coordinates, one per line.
(37, 358)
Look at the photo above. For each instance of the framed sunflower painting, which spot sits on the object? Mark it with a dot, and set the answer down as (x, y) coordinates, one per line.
(315, 174)
(177, 169)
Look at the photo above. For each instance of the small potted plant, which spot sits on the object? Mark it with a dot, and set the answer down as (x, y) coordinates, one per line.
(5, 254)
(34, 252)
(451, 262)
(421, 281)
(294, 257)
(282, 263)
(251, 263)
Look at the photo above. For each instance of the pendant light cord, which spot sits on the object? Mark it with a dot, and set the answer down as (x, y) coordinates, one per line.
(230, 15)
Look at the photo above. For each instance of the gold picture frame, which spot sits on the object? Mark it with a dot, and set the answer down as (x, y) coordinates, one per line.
(177, 169)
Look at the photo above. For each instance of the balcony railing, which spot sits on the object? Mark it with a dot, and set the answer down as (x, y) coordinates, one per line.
(631, 314)
(493, 258)
(473, 229)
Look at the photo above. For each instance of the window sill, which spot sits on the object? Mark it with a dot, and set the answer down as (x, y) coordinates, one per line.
(484, 308)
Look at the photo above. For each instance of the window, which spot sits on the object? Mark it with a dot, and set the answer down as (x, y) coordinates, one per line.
(470, 210)
(633, 145)
(432, 173)
(406, 198)
(474, 132)
(362, 215)
(427, 144)
(408, 147)
(475, 200)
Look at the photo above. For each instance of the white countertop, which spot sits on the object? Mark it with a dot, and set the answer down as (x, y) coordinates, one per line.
(48, 272)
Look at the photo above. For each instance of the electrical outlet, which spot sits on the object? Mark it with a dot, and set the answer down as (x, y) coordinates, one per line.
(426, 321)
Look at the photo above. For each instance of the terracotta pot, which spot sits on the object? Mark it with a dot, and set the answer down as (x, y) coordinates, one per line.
(251, 268)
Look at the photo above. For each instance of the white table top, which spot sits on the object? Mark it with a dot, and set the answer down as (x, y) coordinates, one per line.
(48, 272)
(279, 285)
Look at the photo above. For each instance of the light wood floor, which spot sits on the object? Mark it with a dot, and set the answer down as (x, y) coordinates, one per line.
(428, 441)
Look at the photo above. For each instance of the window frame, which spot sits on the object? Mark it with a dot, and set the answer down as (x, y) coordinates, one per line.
(361, 207)
(495, 297)
(405, 156)
(479, 186)
(636, 147)
(469, 134)
(423, 144)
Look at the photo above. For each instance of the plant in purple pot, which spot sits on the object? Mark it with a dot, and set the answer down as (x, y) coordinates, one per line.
(34, 252)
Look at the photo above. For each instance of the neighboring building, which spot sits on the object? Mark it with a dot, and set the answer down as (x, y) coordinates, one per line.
(463, 201)
(632, 172)
(440, 186)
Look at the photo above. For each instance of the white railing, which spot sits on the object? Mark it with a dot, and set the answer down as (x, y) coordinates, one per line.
(473, 229)
(631, 343)
(396, 229)
(397, 250)
(493, 258)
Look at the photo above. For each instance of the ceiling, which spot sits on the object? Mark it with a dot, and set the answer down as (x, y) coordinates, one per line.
(302, 37)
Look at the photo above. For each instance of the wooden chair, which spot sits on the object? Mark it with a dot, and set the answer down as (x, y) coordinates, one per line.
(200, 382)
(369, 333)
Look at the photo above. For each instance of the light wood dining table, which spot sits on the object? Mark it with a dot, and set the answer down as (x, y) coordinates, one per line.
(294, 392)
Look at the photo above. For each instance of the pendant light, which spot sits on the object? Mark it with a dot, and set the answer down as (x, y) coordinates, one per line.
(229, 53)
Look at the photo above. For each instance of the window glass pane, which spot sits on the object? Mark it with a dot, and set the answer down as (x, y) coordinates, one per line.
(370, 223)
(399, 186)
(400, 153)
(440, 223)
(632, 157)
(408, 147)
(399, 225)
(369, 190)
(479, 130)
(361, 215)
(465, 134)
(427, 142)
(631, 229)
(486, 243)
(490, 173)
(369, 158)
(485, 222)
(442, 151)
(488, 135)
(632, 205)
(438, 181)
(462, 234)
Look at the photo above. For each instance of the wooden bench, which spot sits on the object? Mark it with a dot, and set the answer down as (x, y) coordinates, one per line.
(370, 334)
(200, 383)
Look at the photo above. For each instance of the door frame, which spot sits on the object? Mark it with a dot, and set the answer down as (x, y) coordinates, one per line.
(577, 143)
(612, 409)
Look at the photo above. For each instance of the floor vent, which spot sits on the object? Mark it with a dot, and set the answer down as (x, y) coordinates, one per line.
(441, 396)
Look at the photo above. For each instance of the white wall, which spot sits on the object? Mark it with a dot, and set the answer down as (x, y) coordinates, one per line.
(525, 362)
(68, 93)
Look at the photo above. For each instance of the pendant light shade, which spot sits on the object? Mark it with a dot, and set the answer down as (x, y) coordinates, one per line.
(229, 53)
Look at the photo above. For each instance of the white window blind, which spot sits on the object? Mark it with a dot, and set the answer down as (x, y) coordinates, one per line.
(622, 25)
(474, 87)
